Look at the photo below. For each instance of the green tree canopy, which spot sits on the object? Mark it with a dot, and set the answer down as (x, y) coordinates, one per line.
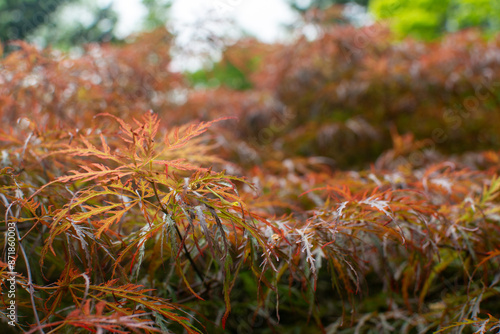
(60, 23)
(427, 19)
(66, 23)
(303, 5)
(66, 29)
(18, 18)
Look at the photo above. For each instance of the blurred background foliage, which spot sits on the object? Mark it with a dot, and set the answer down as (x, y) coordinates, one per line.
(54, 22)
(222, 73)
(422, 19)
(68, 23)
(59, 23)
(305, 5)
(427, 19)
(19, 18)
(326, 82)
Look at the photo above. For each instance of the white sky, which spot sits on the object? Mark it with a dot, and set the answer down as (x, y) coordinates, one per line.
(194, 20)
(261, 18)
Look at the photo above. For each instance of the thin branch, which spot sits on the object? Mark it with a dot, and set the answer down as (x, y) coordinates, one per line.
(179, 234)
(26, 261)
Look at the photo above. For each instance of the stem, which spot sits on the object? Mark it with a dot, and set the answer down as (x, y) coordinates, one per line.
(188, 255)
(181, 239)
(26, 261)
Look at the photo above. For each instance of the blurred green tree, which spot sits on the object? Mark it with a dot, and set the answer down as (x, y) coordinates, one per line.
(77, 23)
(68, 23)
(428, 19)
(19, 18)
(59, 23)
(223, 73)
(157, 12)
(304, 5)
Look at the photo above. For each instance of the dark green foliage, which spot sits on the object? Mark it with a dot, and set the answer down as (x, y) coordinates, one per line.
(18, 18)
(40, 19)
(222, 74)
(304, 5)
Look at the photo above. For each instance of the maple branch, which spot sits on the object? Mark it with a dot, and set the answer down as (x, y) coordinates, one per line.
(179, 234)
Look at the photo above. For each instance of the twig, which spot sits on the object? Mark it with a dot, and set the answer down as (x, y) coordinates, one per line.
(179, 234)
(26, 261)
